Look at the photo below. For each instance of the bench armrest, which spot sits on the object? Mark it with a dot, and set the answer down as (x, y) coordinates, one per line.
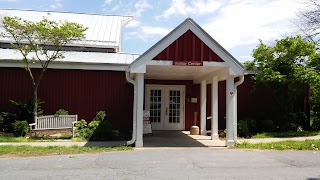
(32, 124)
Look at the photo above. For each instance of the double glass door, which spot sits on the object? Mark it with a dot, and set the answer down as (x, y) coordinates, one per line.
(166, 106)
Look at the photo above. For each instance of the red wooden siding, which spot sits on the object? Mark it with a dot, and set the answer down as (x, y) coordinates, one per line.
(81, 92)
(188, 47)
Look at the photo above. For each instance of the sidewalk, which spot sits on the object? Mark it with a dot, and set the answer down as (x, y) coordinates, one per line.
(268, 140)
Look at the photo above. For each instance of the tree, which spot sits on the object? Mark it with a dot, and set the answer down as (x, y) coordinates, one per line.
(309, 20)
(286, 68)
(40, 42)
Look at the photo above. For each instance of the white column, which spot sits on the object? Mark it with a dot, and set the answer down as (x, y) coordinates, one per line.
(203, 113)
(214, 109)
(230, 111)
(140, 95)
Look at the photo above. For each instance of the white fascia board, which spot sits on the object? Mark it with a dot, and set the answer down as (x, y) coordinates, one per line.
(215, 48)
(160, 47)
(140, 69)
(82, 66)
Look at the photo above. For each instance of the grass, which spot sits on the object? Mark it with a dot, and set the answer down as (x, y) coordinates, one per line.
(286, 134)
(283, 145)
(24, 151)
(15, 139)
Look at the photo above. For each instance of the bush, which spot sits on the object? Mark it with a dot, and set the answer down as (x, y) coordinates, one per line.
(20, 128)
(243, 128)
(97, 129)
(81, 124)
(316, 124)
(100, 116)
(61, 112)
(267, 125)
(20, 111)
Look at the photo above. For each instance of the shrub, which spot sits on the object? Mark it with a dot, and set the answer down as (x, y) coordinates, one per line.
(243, 128)
(20, 128)
(81, 124)
(94, 124)
(20, 111)
(98, 129)
(61, 112)
(267, 125)
(100, 116)
(316, 124)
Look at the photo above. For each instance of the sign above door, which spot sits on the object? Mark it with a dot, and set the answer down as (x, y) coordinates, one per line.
(188, 63)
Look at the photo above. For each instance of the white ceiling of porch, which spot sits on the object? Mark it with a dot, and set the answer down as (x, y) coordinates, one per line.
(195, 73)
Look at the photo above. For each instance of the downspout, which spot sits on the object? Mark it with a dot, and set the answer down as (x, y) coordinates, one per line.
(241, 80)
(134, 128)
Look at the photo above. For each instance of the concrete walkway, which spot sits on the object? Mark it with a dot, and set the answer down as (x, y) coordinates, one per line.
(268, 140)
(67, 143)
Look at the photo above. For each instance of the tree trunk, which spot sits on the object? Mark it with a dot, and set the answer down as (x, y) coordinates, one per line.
(35, 102)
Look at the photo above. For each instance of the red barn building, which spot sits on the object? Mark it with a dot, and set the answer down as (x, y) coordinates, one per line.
(185, 73)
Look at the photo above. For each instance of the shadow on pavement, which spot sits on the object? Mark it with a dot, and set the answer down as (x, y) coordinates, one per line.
(170, 139)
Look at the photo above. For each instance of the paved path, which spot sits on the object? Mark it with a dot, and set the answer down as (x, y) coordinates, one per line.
(267, 140)
(179, 163)
(163, 139)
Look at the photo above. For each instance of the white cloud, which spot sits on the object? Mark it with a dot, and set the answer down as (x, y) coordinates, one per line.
(8, 0)
(56, 4)
(180, 7)
(141, 6)
(133, 23)
(148, 33)
(244, 22)
(107, 1)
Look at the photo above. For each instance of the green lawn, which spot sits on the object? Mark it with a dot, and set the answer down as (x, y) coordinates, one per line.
(283, 145)
(9, 151)
(286, 134)
(15, 139)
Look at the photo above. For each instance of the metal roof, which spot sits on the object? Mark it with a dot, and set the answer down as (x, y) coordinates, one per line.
(103, 30)
(77, 57)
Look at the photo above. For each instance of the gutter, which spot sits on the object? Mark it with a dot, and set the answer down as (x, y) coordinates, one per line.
(241, 80)
(134, 128)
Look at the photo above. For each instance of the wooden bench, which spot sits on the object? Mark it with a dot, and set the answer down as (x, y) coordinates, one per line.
(54, 122)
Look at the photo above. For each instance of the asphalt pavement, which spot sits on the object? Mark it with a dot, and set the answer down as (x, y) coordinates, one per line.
(175, 163)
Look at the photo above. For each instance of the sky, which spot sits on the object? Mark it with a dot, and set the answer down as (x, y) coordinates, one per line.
(236, 24)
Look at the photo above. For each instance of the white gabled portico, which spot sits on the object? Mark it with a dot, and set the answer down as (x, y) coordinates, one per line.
(164, 61)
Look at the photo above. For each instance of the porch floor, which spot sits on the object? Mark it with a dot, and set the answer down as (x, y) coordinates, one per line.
(180, 139)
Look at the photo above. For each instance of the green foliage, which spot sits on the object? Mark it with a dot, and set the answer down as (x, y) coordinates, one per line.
(98, 129)
(267, 125)
(316, 124)
(94, 124)
(287, 69)
(62, 112)
(100, 116)
(20, 128)
(20, 111)
(246, 127)
(81, 124)
(243, 128)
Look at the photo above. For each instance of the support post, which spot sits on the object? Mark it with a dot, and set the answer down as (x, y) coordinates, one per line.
(214, 109)
(230, 111)
(140, 95)
(203, 119)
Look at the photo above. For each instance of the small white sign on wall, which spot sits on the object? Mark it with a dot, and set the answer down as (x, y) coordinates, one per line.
(146, 123)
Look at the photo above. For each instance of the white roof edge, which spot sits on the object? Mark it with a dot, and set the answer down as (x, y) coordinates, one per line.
(175, 30)
(12, 9)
